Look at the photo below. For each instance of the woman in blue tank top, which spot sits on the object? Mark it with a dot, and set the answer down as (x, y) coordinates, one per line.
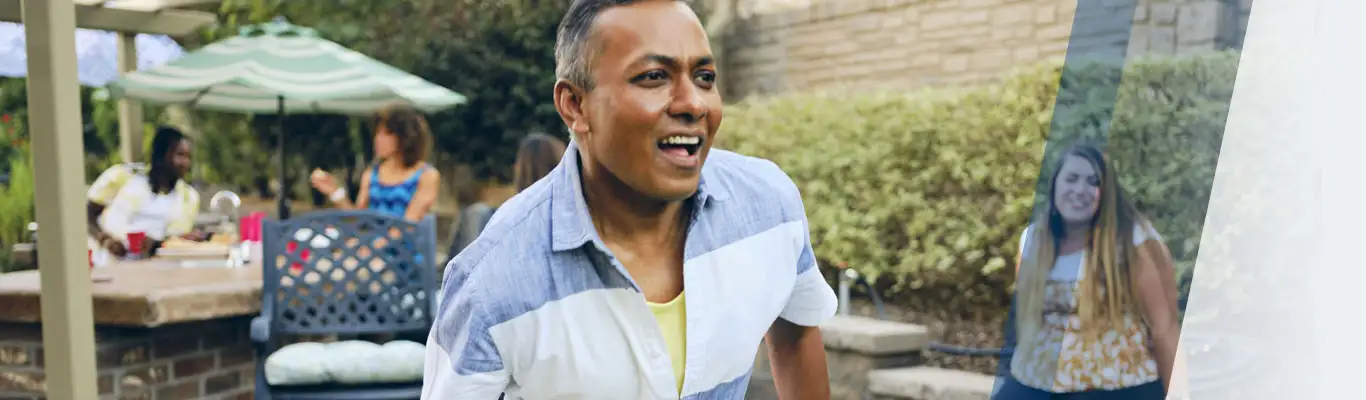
(401, 184)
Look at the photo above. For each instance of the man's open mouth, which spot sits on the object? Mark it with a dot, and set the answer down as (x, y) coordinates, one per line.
(680, 145)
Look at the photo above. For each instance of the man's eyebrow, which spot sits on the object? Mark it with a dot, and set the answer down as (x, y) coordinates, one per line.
(704, 61)
(673, 62)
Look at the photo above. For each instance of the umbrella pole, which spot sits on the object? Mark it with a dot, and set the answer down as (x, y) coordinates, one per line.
(283, 196)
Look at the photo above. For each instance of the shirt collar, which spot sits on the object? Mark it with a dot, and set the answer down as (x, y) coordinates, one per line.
(570, 224)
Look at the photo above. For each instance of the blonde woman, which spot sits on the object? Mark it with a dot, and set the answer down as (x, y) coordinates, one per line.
(1096, 312)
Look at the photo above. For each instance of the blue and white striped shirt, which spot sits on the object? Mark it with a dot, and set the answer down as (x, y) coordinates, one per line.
(537, 307)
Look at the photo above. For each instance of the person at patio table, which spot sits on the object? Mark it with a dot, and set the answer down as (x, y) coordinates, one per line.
(401, 184)
(538, 154)
(156, 201)
(1095, 309)
(647, 265)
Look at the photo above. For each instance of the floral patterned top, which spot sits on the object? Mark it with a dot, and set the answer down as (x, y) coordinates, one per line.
(1064, 360)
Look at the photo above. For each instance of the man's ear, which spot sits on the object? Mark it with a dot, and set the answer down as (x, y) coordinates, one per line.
(569, 102)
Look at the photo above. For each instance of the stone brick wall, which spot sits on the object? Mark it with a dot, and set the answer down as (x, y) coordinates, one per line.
(912, 43)
(1176, 27)
(202, 360)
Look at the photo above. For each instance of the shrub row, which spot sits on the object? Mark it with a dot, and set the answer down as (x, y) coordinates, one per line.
(928, 190)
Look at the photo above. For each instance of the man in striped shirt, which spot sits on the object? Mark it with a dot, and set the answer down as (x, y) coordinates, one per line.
(646, 265)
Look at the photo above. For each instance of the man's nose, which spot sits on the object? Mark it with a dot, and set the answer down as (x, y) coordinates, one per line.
(688, 103)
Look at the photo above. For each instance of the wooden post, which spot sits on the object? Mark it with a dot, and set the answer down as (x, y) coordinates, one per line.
(58, 153)
(130, 111)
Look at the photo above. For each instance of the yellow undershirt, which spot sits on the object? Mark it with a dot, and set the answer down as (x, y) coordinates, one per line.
(672, 318)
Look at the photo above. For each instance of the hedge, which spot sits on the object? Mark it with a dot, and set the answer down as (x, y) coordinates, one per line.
(928, 190)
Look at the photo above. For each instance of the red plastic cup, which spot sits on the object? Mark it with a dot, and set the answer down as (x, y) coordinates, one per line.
(135, 240)
(244, 229)
(90, 255)
(251, 228)
(243, 232)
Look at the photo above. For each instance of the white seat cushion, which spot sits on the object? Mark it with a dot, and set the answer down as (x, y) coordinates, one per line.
(297, 364)
(347, 362)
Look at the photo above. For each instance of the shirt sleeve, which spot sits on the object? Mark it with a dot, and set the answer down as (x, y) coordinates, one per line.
(183, 223)
(108, 184)
(462, 361)
(1144, 231)
(118, 212)
(812, 300)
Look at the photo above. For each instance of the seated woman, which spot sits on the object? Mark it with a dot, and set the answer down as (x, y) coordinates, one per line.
(538, 154)
(155, 201)
(402, 183)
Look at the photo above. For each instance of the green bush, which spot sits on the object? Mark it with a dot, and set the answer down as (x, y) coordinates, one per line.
(16, 199)
(929, 190)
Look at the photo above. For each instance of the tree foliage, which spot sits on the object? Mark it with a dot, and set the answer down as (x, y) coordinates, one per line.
(99, 117)
(503, 58)
(499, 54)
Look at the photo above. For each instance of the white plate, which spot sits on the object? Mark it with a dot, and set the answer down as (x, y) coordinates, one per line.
(204, 264)
(193, 252)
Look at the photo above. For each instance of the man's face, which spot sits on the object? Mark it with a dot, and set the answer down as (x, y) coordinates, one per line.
(654, 110)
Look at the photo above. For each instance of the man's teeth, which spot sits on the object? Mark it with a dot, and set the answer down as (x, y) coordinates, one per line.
(682, 140)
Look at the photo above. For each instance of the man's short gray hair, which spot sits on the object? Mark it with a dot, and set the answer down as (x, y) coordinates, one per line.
(572, 58)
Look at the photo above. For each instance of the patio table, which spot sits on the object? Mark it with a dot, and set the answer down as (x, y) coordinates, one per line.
(160, 330)
(160, 327)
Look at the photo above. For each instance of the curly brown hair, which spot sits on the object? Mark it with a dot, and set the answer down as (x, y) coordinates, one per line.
(410, 128)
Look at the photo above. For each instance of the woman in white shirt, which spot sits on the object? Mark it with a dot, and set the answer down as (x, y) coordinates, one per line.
(1095, 294)
(155, 201)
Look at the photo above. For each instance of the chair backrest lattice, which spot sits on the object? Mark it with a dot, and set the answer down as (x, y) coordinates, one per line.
(342, 272)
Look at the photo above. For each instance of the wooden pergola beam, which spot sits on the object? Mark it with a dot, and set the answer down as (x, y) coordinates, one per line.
(157, 17)
(166, 4)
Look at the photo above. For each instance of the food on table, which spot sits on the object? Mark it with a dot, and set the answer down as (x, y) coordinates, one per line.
(223, 238)
(217, 242)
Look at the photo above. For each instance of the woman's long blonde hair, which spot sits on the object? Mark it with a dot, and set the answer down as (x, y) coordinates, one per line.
(1105, 293)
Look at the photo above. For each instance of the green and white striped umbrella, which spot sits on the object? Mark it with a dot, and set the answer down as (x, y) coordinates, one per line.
(278, 67)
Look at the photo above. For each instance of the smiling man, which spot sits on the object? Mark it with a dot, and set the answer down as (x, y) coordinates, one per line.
(647, 265)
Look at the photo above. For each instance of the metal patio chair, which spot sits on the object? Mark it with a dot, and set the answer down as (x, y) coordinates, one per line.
(344, 273)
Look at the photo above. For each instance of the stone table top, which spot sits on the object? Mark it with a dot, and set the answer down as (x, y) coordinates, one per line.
(146, 293)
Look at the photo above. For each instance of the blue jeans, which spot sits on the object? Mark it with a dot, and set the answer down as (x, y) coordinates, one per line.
(1007, 388)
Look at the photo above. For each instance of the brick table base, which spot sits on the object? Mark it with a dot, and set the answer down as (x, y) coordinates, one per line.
(197, 360)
